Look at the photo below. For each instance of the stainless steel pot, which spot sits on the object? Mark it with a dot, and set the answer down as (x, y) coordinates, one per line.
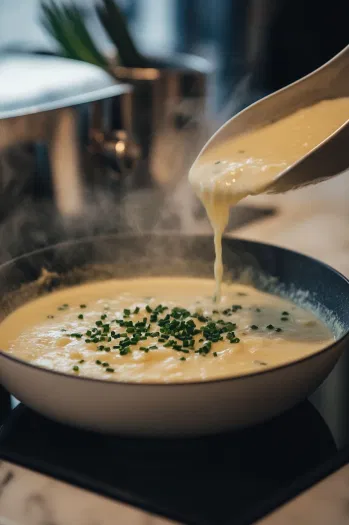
(62, 142)
(69, 144)
(170, 115)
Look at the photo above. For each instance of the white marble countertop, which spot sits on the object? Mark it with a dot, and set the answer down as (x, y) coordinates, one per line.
(314, 221)
(324, 504)
(29, 498)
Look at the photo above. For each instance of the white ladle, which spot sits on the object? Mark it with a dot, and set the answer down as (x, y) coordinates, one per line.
(326, 159)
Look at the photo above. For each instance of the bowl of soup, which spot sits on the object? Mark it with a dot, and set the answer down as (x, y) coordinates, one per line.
(123, 334)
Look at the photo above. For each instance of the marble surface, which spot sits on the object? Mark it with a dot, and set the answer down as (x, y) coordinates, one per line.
(324, 504)
(314, 221)
(29, 498)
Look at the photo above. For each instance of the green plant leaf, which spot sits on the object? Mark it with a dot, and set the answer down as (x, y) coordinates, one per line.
(115, 25)
(66, 25)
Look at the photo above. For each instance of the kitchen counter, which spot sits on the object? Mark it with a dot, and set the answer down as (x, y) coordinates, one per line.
(314, 221)
(29, 498)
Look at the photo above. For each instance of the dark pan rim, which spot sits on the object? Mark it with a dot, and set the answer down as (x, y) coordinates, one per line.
(111, 383)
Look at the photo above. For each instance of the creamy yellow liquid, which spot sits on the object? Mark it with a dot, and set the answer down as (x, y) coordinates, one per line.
(270, 331)
(246, 165)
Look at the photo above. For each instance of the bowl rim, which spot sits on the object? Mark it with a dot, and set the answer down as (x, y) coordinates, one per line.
(194, 383)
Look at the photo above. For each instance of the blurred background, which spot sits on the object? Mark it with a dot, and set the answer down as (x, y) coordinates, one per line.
(285, 39)
(104, 105)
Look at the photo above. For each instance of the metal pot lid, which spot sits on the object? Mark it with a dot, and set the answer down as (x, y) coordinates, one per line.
(35, 83)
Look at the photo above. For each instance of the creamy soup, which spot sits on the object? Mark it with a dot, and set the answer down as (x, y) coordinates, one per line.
(247, 164)
(161, 330)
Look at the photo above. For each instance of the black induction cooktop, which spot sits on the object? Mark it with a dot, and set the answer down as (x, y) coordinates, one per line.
(217, 480)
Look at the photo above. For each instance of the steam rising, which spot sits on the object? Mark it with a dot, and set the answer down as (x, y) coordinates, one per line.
(37, 223)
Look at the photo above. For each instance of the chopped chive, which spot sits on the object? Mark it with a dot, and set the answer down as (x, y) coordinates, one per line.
(63, 307)
(215, 354)
(50, 316)
(284, 319)
(76, 368)
(285, 313)
(182, 358)
(81, 361)
(98, 362)
(278, 329)
(262, 363)
(82, 305)
(270, 327)
(80, 316)
(109, 369)
(254, 327)
(136, 310)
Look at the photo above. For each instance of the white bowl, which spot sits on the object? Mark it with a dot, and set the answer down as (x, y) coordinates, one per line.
(180, 409)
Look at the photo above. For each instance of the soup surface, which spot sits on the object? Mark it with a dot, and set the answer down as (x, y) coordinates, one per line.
(245, 165)
(161, 330)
